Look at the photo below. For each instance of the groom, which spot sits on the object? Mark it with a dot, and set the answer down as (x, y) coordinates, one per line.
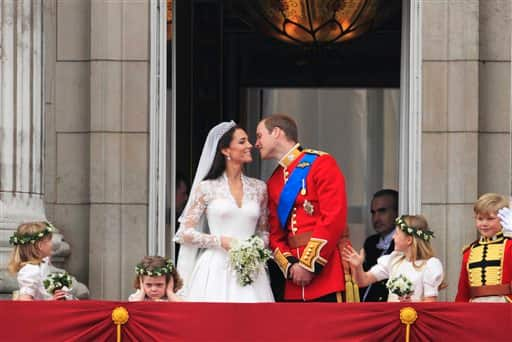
(307, 213)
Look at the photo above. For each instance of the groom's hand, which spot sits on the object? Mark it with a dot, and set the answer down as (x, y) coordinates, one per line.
(300, 276)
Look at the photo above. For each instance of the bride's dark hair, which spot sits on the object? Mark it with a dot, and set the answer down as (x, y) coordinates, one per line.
(219, 162)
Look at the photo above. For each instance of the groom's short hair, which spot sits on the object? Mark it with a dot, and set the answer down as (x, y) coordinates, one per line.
(285, 123)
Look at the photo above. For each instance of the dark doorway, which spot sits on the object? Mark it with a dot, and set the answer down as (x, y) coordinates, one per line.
(219, 55)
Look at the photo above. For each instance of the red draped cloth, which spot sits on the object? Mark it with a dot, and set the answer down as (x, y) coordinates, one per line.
(161, 321)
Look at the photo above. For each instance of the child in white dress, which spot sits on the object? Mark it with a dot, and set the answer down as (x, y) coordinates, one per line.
(413, 258)
(157, 280)
(30, 259)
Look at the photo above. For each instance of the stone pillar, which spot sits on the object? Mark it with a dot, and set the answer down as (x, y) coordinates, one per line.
(495, 94)
(119, 144)
(450, 128)
(21, 117)
(22, 122)
(67, 74)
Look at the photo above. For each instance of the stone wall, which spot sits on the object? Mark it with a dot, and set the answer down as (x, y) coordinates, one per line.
(67, 117)
(466, 118)
(97, 137)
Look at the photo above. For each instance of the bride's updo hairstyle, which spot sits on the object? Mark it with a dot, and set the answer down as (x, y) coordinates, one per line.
(219, 162)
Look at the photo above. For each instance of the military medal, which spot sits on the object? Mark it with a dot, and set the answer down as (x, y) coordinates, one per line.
(308, 207)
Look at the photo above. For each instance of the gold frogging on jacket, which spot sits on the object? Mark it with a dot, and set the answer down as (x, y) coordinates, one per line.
(311, 254)
(485, 263)
(282, 262)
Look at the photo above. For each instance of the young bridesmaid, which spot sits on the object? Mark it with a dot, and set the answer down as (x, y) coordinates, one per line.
(30, 261)
(156, 280)
(413, 258)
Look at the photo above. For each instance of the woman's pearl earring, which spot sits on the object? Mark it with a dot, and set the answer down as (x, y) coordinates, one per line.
(228, 158)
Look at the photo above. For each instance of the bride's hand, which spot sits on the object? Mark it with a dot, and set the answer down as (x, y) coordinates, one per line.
(225, 242)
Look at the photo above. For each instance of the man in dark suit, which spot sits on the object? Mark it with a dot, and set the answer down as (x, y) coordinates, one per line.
(384, 210)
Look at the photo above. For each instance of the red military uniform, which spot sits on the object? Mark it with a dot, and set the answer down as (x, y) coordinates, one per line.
(486, 269)
(315, 225)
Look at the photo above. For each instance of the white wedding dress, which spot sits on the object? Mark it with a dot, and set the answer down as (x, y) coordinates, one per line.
(211, 279)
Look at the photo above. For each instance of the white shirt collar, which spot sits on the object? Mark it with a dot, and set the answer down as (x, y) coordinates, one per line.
(385, 241)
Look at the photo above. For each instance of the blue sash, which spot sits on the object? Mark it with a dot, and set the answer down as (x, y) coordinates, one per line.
(292, 187)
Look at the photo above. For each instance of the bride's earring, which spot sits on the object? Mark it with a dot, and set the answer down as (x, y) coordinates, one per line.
(228, 158)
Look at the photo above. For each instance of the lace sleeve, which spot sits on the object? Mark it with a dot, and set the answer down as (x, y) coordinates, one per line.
(262, 229)
(188, 233)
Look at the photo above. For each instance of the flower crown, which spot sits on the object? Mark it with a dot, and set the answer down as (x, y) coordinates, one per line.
(425, 235)
(23, 239)
(143, 270)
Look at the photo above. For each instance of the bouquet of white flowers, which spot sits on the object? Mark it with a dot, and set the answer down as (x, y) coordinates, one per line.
(248, 258)
(401, 286)
(57, 281)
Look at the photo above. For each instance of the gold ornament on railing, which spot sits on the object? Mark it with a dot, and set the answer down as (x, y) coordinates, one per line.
(408, 316)
(119, 317)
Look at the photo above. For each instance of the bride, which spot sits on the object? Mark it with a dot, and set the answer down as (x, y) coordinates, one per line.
(224, 206)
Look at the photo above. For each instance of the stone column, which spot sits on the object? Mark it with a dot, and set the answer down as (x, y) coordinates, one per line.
(21, 131)
(119, 144)
(449, 128)
(21, 117)
(495, 94)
